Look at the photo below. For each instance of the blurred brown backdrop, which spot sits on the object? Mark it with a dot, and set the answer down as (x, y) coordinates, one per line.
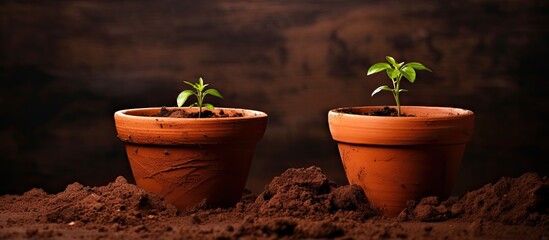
(67, 66)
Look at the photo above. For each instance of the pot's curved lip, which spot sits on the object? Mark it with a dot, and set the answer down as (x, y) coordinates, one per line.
(418, 111)
(248, 114)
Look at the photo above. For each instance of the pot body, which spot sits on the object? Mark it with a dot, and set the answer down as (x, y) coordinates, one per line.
(191, 161)
(396, 159)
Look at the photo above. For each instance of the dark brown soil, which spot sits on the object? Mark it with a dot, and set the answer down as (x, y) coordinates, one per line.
(511, 201)
(307, 193)
(164, 112)
(299, 204)
(384, 112)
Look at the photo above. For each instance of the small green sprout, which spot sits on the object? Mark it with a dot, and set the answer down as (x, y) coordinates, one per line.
(199, 93)
(396, 72)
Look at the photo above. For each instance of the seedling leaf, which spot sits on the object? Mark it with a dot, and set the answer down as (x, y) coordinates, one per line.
(378, 67)
(191, 84)
(392, 61)
(409, 73)
(213, 92)
(418, 66)
(392, 73)
(182, 98)
(200, 95)
(208, 106)
(382, 88)
(395, 72)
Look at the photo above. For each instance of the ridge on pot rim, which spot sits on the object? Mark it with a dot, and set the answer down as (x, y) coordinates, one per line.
(134, 126)
(429, 125)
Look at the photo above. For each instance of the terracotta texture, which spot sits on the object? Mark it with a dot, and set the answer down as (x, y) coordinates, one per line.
(396, 159)
(191, 161)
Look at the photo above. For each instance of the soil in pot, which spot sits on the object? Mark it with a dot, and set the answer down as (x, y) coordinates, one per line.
(300, 203)
(177, 113)
(382, 112)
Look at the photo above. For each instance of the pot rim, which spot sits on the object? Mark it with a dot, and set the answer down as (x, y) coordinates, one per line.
(248, 114)
(137, 126)
(431, 125)
(443, 112)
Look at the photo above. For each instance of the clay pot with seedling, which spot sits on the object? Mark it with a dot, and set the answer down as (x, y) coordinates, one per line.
(400, 153)
(196, 155)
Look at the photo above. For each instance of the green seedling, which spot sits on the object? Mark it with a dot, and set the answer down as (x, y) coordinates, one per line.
(200, 93)
(396, 72)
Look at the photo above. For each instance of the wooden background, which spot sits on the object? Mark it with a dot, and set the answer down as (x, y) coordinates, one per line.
(67, 66)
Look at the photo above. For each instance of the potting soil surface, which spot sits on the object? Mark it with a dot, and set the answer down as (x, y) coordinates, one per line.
(300, 203)
(165, 112)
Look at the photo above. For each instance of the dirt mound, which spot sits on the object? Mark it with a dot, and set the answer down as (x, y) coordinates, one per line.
(114, 209)
(513, 201)
(301, 203)
(523, 200)
(118, 202)
(307, 193)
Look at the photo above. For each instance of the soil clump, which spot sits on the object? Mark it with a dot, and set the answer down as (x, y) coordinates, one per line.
(307, 193)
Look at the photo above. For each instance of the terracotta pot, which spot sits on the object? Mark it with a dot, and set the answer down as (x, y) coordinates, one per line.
(396, 159)
(188, 160)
